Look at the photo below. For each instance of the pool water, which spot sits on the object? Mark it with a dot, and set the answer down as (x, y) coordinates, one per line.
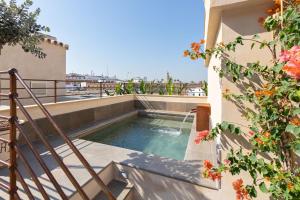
(153, 135)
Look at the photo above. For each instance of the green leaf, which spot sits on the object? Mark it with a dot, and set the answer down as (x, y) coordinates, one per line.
(296, 111)
(237, 130)
(295, 130)
(251, 190)
(262, 187)
(231, 127)
(296, 147)
(224, 126)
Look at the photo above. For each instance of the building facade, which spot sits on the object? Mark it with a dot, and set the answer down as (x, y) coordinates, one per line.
(53, 67)
(224, 21)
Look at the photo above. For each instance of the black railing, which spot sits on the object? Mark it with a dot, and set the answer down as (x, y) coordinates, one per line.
(65, 90)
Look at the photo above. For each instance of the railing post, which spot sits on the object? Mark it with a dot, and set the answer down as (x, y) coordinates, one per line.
(12, 136)
(55, 91)
(101, 90)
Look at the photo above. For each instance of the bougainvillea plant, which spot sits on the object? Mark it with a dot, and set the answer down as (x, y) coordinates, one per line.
(275, 122)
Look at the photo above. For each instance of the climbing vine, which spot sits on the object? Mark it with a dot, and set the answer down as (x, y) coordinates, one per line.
(275, 122)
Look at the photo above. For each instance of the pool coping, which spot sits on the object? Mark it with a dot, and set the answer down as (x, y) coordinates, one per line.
(193, 155)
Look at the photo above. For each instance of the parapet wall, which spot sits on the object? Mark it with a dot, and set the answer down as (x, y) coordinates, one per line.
(74, 115)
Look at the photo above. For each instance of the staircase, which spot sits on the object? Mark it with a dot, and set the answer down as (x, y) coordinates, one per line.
(109, 184)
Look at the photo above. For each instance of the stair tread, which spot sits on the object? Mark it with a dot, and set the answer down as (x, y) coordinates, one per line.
(119, 189)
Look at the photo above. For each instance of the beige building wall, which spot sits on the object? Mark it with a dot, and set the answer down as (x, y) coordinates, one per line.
(226, 20)
(53, 67)
(215, 86)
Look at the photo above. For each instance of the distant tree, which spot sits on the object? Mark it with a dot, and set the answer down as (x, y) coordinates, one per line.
(143, 87)
(150, 87)
(204, 87)
(129, 87)
(170, 86)
(181, 87)
(18, 25)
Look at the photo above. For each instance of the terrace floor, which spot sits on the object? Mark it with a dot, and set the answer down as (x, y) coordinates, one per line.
(100, 155)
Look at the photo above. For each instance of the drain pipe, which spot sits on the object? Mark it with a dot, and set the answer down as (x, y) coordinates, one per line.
(219, 157)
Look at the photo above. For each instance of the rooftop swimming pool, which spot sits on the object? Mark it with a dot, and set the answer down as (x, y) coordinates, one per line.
(160, 135)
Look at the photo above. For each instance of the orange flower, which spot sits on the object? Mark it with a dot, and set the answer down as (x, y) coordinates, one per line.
(237, 184)
(295, 121)
(290, 186)
(195, 46)
(215, 176)
(186, 53)
(267, 134)
(260, 93)
(259, 141)
(207, 164)
(292, 71)
(202, 41)
(241, 192)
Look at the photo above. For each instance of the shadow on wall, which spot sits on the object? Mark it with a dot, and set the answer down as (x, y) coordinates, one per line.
(151, 185)
(246, 18)
(228, 140)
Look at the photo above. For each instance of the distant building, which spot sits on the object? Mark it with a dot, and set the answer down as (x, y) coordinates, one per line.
(197, 92)
(92, 77)
(139, 79)
(75, 76)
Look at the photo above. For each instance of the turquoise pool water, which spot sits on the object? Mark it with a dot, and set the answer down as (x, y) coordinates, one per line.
(153, 135)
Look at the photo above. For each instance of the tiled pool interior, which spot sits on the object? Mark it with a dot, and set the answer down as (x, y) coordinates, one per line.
(166, 136)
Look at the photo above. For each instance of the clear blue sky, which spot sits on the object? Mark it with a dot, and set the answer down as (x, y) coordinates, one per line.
(127, 37)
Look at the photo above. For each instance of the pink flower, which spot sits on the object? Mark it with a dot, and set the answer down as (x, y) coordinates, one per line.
(295, 49)
(201, 136)
(227, 162)
(284, 56)
(292, 59)
(292, 54)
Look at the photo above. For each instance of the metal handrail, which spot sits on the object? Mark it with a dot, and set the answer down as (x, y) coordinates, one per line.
(42, 163)
(4, 186)
(94, 175)
(50, 148)
(32, 174)
(12, 137)
(24, 185)
(14, 172)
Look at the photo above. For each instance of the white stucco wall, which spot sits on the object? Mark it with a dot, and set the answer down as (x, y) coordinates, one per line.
(215, 87)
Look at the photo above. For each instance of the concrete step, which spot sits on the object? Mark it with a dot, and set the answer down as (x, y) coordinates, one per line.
(121, 190)
(115, 179)
(103, 167)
